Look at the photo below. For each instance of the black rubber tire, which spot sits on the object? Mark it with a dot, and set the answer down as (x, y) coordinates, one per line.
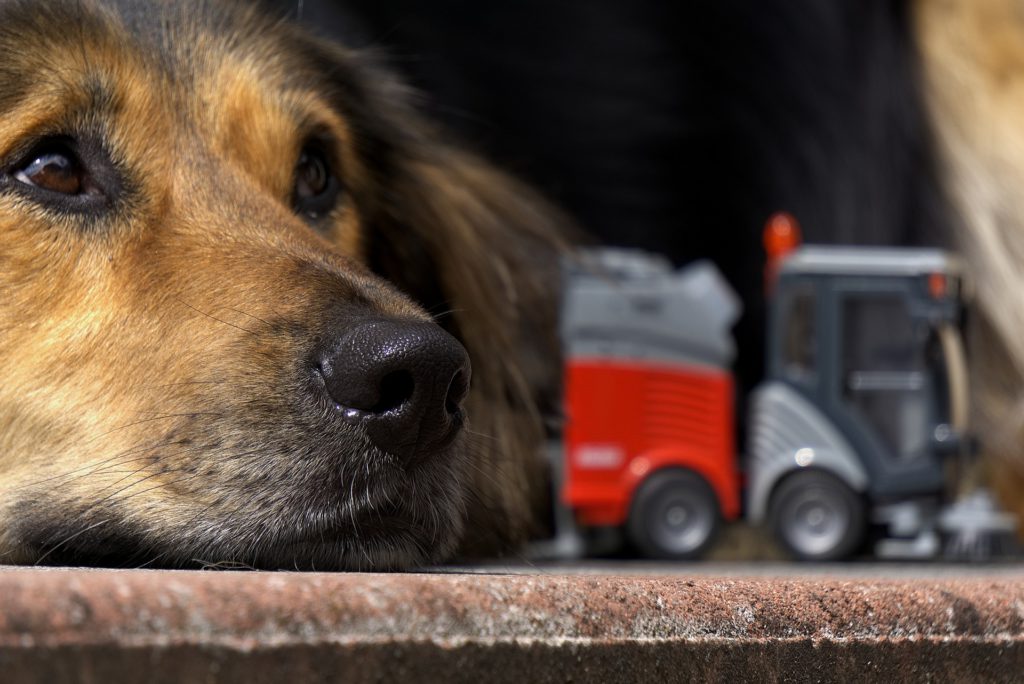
(815, 516)
(675, 516)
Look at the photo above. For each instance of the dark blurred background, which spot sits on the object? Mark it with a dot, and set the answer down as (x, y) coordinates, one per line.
(679, 126)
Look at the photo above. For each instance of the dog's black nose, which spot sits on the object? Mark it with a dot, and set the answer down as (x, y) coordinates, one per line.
(403, 381)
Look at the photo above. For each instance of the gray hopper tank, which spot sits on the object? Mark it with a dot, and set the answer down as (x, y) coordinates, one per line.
(627, 304)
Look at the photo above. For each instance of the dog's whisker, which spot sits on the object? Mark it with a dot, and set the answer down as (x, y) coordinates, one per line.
(67, 539)
(445, 313)
(158, 485)
(215, 318)
(481, 435)
(246, 313)
(83, 514)
(185, 382)
(94, 467)
(188, 525)
(150, 419)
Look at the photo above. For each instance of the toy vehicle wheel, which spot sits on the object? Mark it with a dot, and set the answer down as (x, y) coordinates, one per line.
(675, 516)
(817, 517)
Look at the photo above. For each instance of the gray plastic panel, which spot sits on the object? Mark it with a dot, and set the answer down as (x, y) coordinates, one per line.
(629, 304)
(788, 432)
(871, 261)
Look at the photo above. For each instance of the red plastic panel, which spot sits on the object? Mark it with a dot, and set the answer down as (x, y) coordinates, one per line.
(626, 419)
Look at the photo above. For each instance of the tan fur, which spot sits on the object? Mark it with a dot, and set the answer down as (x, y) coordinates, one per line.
(973, 54)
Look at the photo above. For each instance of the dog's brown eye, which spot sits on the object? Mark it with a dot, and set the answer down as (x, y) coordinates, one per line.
(312, 175)
(55, 170)
(316, 189)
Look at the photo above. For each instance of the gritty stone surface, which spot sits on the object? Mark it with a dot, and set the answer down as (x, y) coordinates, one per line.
(102, 625)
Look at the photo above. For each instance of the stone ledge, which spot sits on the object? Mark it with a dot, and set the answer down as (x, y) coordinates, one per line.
(99, 625)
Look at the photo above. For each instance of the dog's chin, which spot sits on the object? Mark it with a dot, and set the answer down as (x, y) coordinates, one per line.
(372, 543)
(373, 539)
(398, 549)
(398, 518)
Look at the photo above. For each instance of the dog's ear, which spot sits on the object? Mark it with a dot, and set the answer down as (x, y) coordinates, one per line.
(480, 251)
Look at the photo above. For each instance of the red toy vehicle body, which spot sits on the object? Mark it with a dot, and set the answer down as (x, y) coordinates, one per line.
(664, 416)
(649, 436)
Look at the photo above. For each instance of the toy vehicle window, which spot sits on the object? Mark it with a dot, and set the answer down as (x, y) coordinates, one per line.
(880, 335)
(885, 371)
(799, 339)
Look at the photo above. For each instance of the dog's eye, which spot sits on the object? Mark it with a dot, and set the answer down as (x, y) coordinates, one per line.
(54, 168)
(64, 173)
(312, 175)
(316, 189)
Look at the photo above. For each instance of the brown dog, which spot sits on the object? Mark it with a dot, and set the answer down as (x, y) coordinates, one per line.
(207, 224)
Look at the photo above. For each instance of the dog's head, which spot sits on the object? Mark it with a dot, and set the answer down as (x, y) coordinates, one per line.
(207, 223)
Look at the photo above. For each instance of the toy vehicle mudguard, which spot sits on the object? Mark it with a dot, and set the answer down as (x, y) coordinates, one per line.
(787, 432)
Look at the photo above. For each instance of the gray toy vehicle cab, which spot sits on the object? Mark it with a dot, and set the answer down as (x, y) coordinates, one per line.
(864, 402)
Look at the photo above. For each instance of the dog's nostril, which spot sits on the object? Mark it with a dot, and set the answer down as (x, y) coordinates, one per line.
(395, 390)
